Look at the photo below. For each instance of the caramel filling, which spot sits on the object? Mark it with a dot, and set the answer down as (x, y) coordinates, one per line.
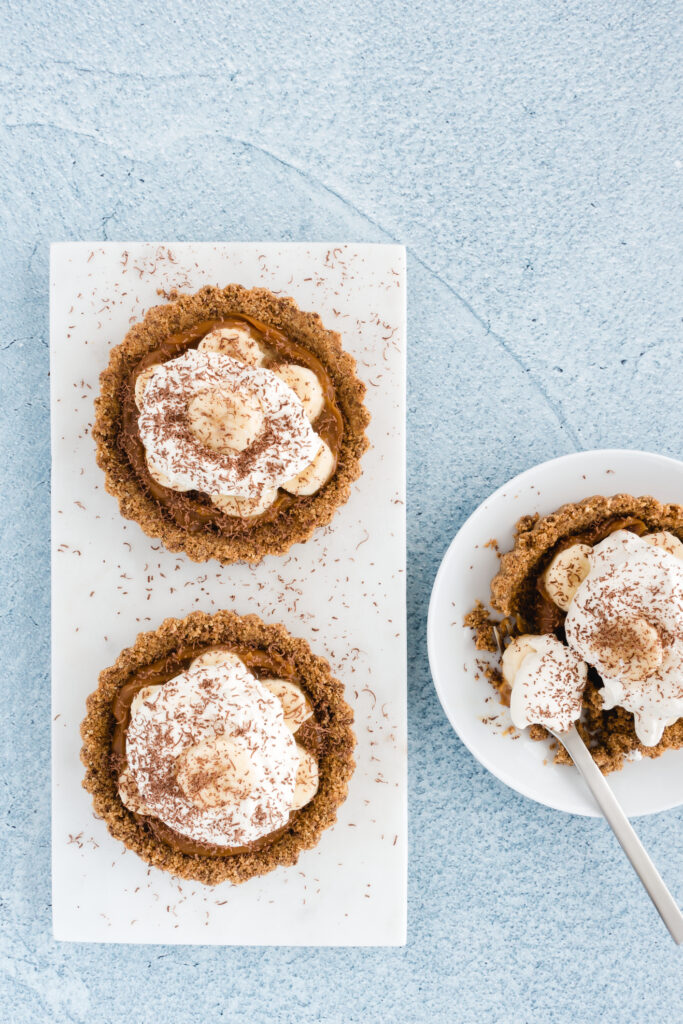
(263, 665)
(193, 510)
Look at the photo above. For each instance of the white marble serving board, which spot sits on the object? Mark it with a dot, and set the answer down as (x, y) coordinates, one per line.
(343, 591)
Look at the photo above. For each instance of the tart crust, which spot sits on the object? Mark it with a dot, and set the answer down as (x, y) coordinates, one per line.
(610, 734)
(332, 714)
(301, 518)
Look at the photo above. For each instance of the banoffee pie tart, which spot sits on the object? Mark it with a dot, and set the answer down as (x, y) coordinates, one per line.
(592, 597)
(230, 424)
(218, 747)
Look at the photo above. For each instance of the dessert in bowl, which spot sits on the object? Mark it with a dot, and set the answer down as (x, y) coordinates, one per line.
(230, 424)
(592, 597)
(218, 747)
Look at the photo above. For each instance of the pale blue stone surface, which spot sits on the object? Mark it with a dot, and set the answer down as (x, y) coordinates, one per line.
(526, 154)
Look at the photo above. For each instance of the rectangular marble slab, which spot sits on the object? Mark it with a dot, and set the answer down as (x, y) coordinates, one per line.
(343, 591)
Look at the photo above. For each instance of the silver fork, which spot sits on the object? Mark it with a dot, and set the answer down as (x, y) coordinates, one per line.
(630, 843)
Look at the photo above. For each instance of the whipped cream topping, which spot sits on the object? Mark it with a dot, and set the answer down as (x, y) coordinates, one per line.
(547, 680)
(209, 754)
(211, 423)
(626, 619)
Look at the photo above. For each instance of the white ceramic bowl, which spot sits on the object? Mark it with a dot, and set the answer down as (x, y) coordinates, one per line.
(642, 787)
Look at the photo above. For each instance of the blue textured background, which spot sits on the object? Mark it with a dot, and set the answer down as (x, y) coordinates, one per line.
(526, 155)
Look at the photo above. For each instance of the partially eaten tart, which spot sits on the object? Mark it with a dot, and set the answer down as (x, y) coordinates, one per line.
(230, 424)
(218, 747)
(592, 598)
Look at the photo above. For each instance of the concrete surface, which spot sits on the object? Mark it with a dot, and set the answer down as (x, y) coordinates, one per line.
(529, 157)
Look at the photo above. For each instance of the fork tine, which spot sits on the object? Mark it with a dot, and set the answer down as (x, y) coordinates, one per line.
(499, 642)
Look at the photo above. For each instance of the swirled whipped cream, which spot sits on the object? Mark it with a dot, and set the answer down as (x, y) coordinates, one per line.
(626, 619)
(214, 424)
(547, 681)
(209, 754)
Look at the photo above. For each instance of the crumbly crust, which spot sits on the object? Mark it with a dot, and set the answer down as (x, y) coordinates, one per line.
(332, 713)
(610, 734)
(297, 522)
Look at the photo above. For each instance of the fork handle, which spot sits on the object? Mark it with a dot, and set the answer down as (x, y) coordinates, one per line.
(630, 843)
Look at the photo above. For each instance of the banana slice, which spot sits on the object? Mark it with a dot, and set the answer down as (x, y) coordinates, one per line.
(215, 772)
(305, 385)
(565, 574)
(146, 693)
(223, 420)
(306, 779)
(665, 540)
(216, 657)
(245, 507)
(629, 648)
(236, 342)
(158, 476)
(161, 478)
(295, 704)
(141, 382)
(315, 475)
(514, 655)
(130, 794)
